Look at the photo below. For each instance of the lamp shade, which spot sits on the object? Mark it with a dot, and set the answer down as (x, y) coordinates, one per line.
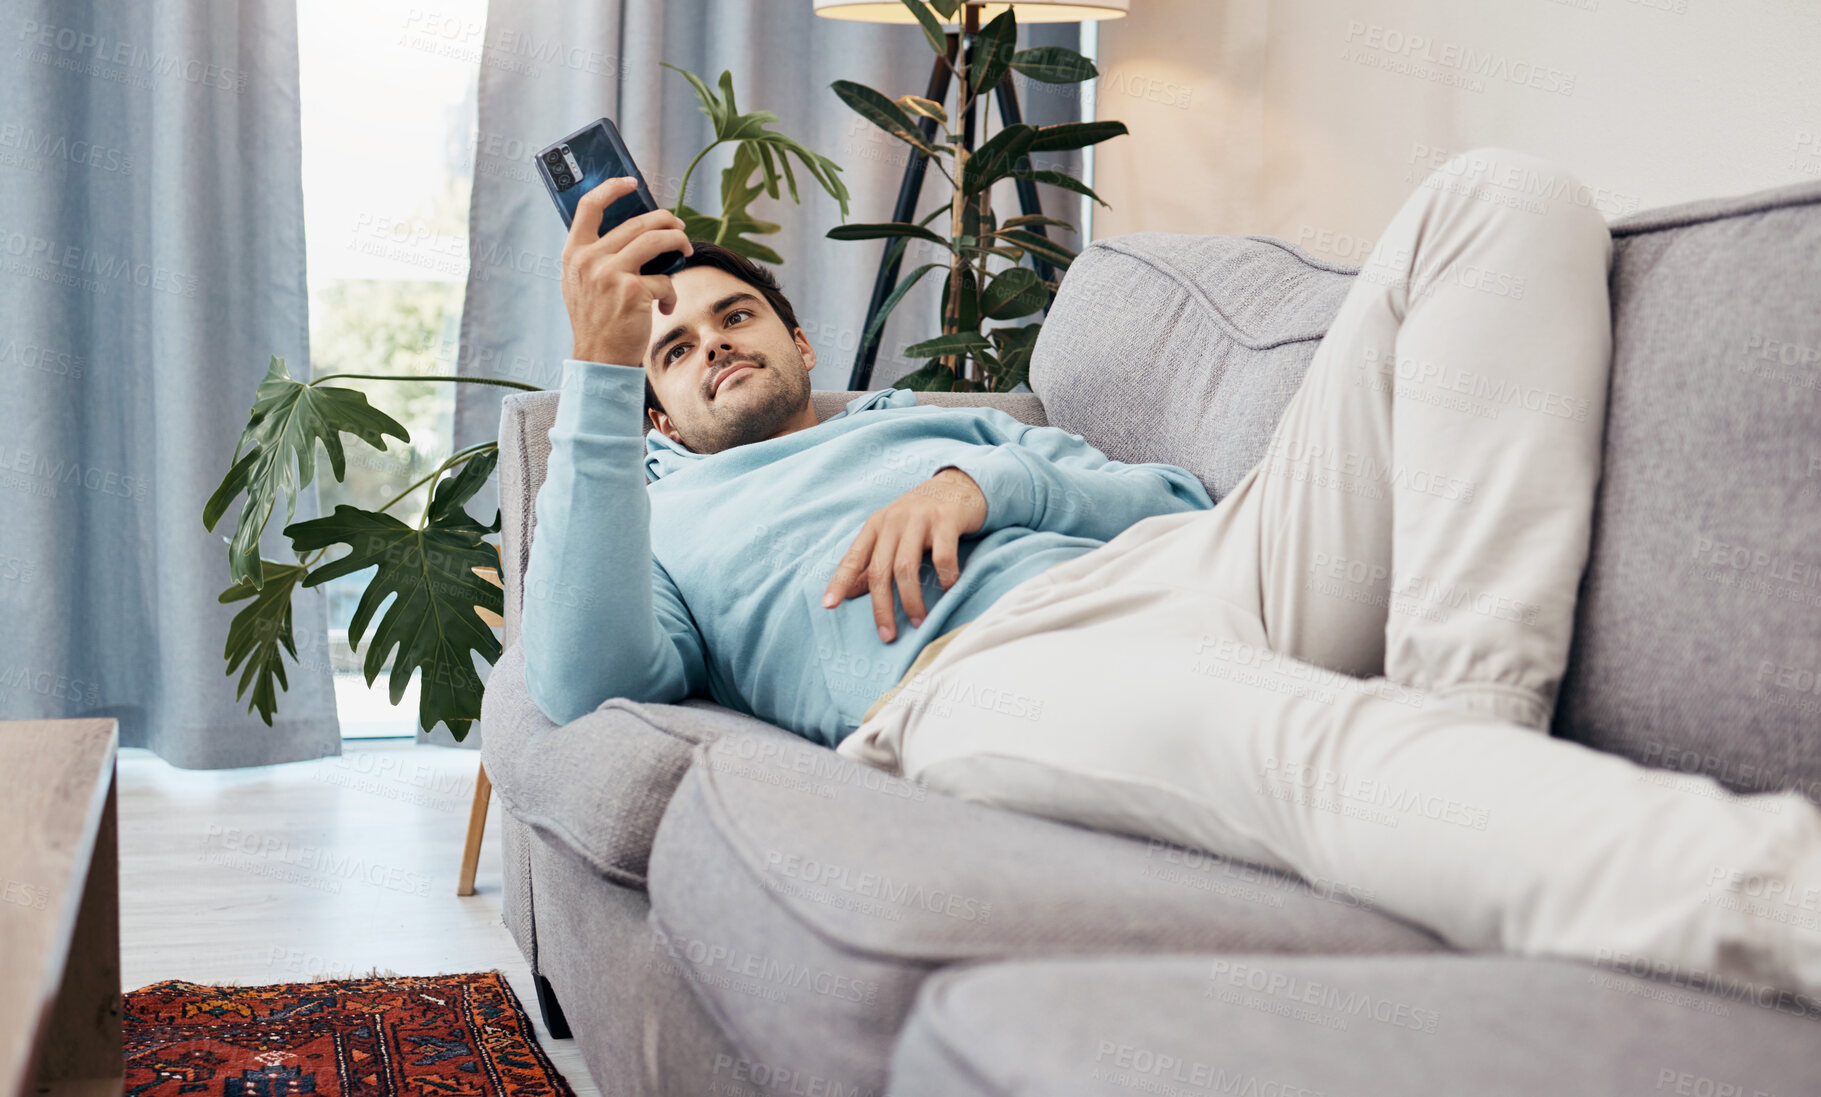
(1029, 11)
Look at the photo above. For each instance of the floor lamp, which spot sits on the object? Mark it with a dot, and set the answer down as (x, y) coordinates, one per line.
(968, 20)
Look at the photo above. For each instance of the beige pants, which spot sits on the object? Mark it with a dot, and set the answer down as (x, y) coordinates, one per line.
(1346, 669)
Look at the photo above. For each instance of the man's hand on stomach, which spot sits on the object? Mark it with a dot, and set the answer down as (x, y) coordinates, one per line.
(932, 517)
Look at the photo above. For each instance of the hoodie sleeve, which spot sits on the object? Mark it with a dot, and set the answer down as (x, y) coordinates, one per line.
(602, 618)
(1046, 478)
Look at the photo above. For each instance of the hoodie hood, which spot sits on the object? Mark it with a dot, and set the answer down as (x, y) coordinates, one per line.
(663, 456)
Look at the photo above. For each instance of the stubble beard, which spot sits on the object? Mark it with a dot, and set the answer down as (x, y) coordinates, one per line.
(760, 416)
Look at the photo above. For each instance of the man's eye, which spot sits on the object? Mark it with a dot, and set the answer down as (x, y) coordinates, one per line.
(738, 312)
(671, 354)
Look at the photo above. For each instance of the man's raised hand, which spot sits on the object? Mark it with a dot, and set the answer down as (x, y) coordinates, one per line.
(933, 517)
(609, 301)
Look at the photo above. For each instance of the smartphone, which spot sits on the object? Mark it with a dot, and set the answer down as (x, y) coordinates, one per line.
(584, 160)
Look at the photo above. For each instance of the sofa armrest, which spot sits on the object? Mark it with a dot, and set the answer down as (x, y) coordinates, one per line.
(597, 786)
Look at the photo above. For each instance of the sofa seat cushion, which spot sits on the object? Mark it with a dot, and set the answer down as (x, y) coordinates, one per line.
(813, 895)
(1492, 1026)
(598, 785)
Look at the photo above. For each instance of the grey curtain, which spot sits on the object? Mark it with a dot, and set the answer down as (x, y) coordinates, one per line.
(783, 58)
(151, 261)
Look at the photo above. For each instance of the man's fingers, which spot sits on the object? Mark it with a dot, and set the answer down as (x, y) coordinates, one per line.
(621, 236)
(651, 244)
(907, 567)
(586, 227)
(945, 554)
(879, 581)
(662, 291)
(849, 576)
(884, 555)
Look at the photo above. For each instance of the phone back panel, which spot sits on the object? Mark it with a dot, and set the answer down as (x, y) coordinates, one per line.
(600, 155)
(600, 158)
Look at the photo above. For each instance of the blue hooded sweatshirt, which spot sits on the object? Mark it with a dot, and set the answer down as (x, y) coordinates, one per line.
(709, 579)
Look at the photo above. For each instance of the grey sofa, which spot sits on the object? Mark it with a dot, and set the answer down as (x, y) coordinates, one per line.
(714, 905)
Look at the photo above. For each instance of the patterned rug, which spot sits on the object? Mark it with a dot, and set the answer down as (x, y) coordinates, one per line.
(377, 1037)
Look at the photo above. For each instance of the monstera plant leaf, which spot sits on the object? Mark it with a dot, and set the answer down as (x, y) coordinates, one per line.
(735, 224)
(289, 419)
(258, 631)
(756, 146)
(432, 622)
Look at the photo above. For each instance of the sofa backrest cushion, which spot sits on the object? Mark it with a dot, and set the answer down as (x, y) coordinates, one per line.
(1184, 349)
(1698, 634)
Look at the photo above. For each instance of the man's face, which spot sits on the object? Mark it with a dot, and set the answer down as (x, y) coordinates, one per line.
(724, 367)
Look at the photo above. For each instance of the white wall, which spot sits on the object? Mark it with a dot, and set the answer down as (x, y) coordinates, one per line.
(1311, 120)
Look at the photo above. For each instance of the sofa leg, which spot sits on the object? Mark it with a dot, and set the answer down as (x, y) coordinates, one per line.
(551, 1009)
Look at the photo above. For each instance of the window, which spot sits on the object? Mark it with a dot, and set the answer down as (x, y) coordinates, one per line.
(388, 104)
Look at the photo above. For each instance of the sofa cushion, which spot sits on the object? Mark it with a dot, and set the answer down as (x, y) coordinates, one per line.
(1698, 633)
(596, 786)
(1184, 349)
(1492, 1026)
(816, 894)
(1695, 645)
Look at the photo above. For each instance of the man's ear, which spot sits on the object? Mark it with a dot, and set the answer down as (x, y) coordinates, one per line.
(809, 352)
(662, 424)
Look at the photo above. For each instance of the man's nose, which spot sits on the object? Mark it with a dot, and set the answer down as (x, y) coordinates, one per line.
(724, 349)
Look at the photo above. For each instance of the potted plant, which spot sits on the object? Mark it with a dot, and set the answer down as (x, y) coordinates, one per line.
(968, 356)
(440, 571)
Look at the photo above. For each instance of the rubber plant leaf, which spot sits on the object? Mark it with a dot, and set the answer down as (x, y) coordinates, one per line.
(1075, 135)
(1054, 65)
(932, 29)
(993, 51)
(884, 113)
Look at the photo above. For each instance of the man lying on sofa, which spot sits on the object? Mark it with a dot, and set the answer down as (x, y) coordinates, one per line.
(700, 583)
(1098, 642)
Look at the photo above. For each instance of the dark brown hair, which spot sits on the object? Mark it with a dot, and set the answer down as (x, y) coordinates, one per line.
(709, 254)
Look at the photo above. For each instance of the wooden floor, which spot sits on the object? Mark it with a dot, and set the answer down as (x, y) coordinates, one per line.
(332, 868)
